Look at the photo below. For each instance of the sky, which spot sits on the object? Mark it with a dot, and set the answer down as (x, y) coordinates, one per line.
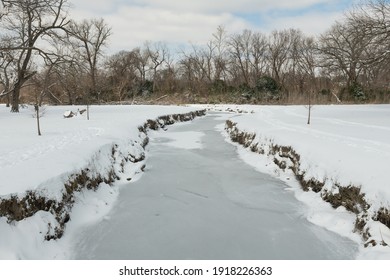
(179, 23)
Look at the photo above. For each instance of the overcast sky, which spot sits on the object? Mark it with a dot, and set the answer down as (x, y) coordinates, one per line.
(179, 22)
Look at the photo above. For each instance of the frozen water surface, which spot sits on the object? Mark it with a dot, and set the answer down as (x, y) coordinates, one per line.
(201, 201)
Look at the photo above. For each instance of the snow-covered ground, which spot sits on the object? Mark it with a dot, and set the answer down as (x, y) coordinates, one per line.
(345, 145)
(27, 161)
(44, 163)
(201, 201)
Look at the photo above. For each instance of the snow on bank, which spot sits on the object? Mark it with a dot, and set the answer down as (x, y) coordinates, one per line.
(344, 145)
(43, 164)
(27, 161)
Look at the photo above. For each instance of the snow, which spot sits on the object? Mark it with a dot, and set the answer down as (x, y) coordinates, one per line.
(345, 144)
(66, 144)
(44, 163)
(206, 204)
(184, 140)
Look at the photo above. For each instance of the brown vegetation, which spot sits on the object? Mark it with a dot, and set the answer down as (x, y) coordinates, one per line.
(18, 207)
(350, 197)
(348, 63)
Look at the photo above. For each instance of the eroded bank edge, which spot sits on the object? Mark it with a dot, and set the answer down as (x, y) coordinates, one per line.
(16, 207)
(350, 197)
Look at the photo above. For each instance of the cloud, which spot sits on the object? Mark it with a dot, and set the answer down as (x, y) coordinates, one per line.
(164, 25)
(233, 6)
(97, 7)
(312, 23)
(180, 22)
(132, 26)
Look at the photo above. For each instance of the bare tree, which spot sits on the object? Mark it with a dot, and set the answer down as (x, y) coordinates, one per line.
(122, 71)
(307, 57)
(259, 51)
(38, 113)
(7, 75)
(46, 80)
(206, 56)
(306, 69)
(373, 20)
(303, 67)
(221, 56)
(142, 60)
(309, 106)
(169, 74)
(345, 49)
(186, 73)
(27, 22)
(240, 45)
(278, 53)
(90, 38)
(157, 53)
(196, 69)
(294, 77)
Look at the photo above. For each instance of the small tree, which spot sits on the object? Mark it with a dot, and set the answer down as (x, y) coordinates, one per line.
(309, 106)
(37, 115)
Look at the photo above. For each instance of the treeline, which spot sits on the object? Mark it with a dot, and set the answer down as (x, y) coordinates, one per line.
(350, 62)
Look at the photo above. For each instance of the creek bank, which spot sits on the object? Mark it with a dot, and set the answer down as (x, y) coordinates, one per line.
(212, 205)
(109, 164)
(350, 197)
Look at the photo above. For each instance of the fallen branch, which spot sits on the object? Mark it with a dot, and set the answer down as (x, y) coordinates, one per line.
(161, 97)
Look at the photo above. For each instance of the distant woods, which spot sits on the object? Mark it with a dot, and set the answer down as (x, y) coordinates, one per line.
(47, 57)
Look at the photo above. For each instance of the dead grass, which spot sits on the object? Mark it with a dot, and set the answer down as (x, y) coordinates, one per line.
(350, 197)
(383, 216)
(309, 185)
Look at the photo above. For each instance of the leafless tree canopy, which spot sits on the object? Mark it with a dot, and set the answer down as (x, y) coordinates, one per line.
(64, 61)
(88, 39)
(25, 24)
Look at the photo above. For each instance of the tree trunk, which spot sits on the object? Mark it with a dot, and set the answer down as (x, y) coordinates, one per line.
(8, 100)
(309, 108)
(154, 80)
(38, 124)
(15, 98)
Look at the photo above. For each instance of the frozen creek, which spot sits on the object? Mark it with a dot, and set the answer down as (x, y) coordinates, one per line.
(199, 200)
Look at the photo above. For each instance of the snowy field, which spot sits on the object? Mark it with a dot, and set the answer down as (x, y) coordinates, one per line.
(345, 145)
(44, 163)
(27, 161)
